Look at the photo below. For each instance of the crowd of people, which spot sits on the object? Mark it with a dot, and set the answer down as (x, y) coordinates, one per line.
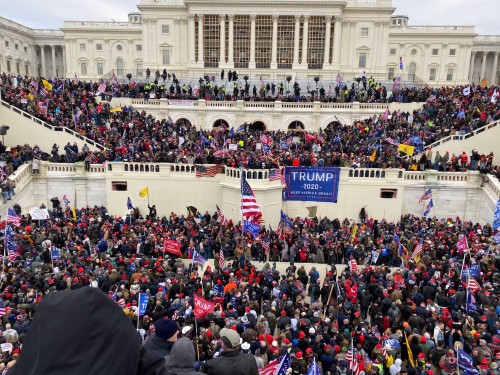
(130, 135)
(403, 303)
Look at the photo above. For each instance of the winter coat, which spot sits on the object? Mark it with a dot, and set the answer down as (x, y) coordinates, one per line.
(232, 363)
(71, 332)
(182, 358)
(158, 345)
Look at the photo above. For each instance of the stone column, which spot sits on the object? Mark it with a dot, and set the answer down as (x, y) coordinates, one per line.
(305, 40)
(296, 42)
(274, 53)
(352, 25)
(493, 80)
(337, 41)
(53, 52)
(326, 56)
(472, 63)
(230, 52)
(200, 39)
(377, 34)
(65, 67)
(177, 51)
(483, 66)
(191, 41)
(154, 44)
(251, 64)
(42, 56)
(222, 42)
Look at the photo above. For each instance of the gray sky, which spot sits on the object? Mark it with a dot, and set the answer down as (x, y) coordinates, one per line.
(51, 13)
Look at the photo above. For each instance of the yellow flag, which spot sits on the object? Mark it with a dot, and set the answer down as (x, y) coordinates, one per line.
(74, 213)
(408, 150)
(144, 192)
(410, 354)
(116, 109)
(373, 156)
(354, 231)
(47, 85)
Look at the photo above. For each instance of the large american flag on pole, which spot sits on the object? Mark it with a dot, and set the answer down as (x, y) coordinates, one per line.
(416, 253)
(249, 207)
(275, 174)
(427, 195)
(13, 218)
(277, 367)
(221, 259)
(352, 362)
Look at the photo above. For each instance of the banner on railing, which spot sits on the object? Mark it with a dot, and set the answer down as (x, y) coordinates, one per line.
(180, 102)
(312, 184)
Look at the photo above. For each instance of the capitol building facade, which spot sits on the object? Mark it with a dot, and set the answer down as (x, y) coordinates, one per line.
(305, 39)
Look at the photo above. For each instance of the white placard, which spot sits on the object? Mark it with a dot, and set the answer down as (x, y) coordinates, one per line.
(233, 146)
(39, 213)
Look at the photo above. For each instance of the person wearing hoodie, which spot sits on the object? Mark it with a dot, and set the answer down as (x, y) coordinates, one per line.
(182, 358)
(395, 367)
(92, 332)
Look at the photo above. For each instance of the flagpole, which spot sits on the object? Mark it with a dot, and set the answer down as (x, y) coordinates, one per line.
(4, 244)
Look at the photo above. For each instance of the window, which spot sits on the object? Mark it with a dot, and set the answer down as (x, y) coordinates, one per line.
(138, 69)
(100, 68)
(120, 68)
(98, 47)
(263, 34)
(119, 47)
(453, 52)
(83, 47)
(391, 73)
(388, 193)
(138, 47)
(8, 65)
(18, 68)
(392, 51)
(165, 29)
(413, 52)
(83, 68)
(364, 31)
(16, 46)
(412, 70)
(432, 74)
(7, 43)
(166, 57)
(362, 60)
(435, 51)
(449, 74)
(27, 69)
(25, 49)
(119, 185)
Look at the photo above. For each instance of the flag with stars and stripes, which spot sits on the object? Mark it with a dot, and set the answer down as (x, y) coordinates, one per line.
(249, 207)
(13, 218)
(221, 259)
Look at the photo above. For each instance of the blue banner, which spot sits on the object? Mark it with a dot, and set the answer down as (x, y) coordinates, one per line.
(496, 217)
(143, 303)
(312, 184)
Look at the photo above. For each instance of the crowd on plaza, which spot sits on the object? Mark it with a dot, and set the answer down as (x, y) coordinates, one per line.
(403, 306)
(130, 135)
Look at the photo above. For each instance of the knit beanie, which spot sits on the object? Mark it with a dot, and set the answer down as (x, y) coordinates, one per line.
(165, 328)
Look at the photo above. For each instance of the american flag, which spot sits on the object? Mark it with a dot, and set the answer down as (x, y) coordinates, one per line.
(13, 218)
(275, 174)
(220, 152)
(12, 255)
(427, 195)
(212, 171)
(66, 200)
(392, 141)
(352, 362)
(221, 259)
(416, 253)
(267, 140)
(277, 367)
(101, 89)
(220, 215)
(265, 245)
(249, 207)
(473, 285)
(121, 303)
(262, 83)
(3, 310)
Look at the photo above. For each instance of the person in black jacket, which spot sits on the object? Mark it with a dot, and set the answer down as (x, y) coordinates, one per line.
(231, 360)
(73, 332)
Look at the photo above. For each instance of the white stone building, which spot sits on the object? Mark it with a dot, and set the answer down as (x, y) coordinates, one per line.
(269, 39)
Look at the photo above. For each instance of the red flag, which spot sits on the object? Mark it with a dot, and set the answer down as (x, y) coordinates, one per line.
(172, 247)
(462, 245)
(202, 307)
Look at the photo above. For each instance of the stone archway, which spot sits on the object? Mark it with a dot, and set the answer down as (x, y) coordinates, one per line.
(183, 121)
(257, 125)
(220, 122)
(296, 125)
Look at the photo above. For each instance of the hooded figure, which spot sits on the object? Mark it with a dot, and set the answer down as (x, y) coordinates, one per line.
(182, 358)
(395, 367)
(83, 332)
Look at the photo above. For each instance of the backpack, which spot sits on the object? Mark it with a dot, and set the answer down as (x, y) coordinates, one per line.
(389, 361)
(436, 355)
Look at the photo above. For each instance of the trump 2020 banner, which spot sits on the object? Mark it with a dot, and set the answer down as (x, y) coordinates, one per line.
(312, 184)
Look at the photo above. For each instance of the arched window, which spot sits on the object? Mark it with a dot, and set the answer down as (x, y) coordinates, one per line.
(120, 67)
(412, 70)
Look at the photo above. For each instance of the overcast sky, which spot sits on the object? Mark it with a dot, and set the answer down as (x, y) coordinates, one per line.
(51, 13)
